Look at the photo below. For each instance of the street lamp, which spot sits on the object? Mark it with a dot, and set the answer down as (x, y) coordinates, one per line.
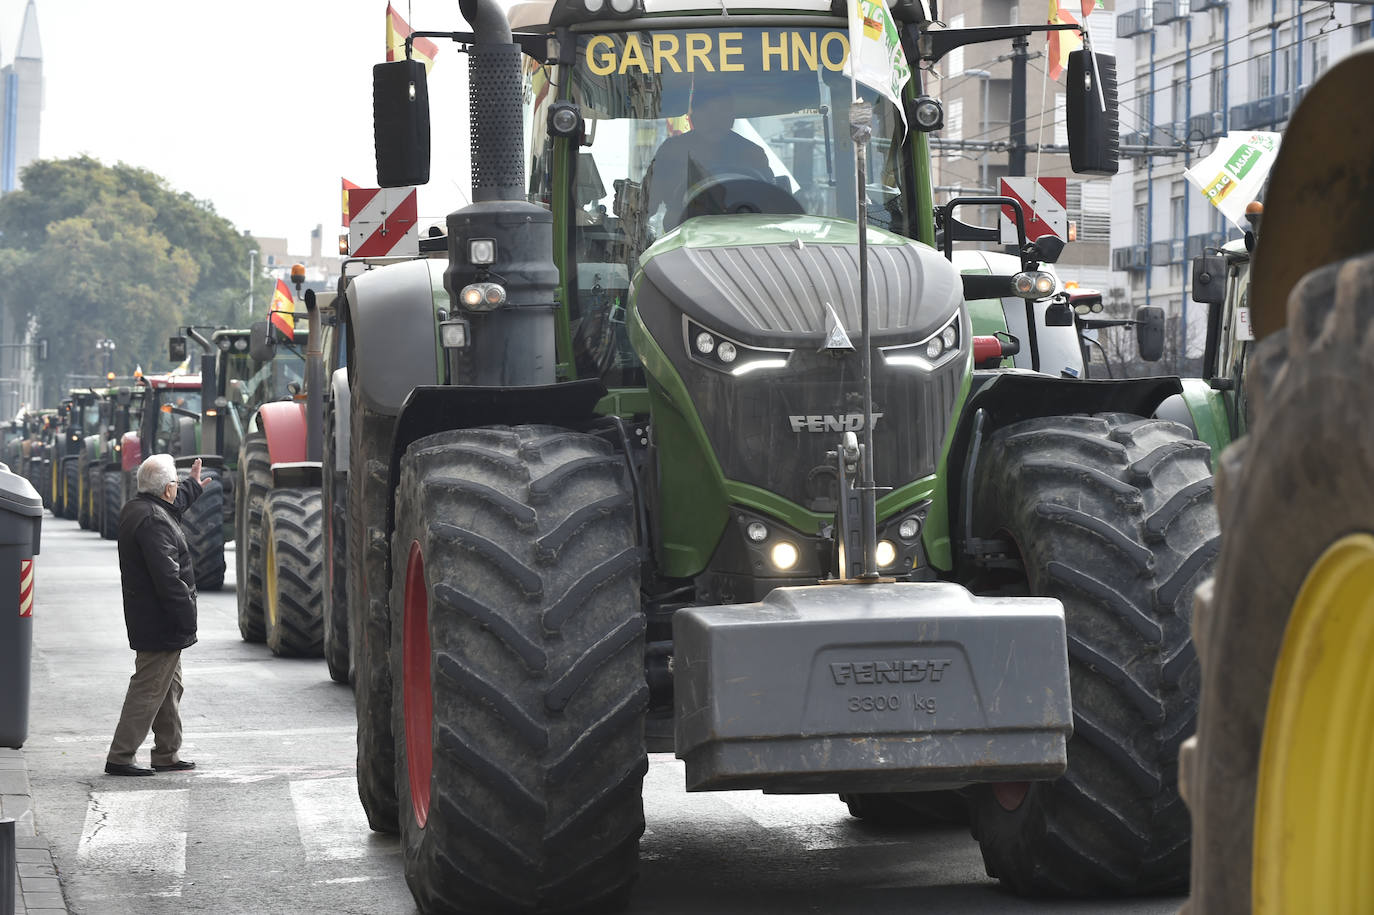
(106, 347)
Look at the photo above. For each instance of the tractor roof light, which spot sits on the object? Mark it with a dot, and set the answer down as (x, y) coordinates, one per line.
(481, 251)
(454, 334)
(298, 273)
(224, 343)
(482, 297)
(241, 345)
(928, 114)
(565, 119)
(1032, 284)
(568, 12)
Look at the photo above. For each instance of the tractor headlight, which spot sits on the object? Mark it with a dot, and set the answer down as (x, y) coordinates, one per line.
(1032, 284)
(708, 348)
(481, 251)
(885, 554)
(928, 354)
(482, 296)
(241, 345)
(784, 555)
(453, 334)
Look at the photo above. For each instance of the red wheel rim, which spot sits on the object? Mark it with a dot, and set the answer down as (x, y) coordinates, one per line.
(416, 688)
(1010, 795)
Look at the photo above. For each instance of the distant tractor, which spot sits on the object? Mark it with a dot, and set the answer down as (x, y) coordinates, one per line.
(280, 515)
(171, 423)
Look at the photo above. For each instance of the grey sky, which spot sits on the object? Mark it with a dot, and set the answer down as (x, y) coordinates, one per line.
(259, 107)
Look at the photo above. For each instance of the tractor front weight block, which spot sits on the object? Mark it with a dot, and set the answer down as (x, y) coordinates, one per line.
(871, 688)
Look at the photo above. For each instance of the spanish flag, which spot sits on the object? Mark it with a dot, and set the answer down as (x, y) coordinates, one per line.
(421, 49)
(1062, 43)
(347, 186)
(282, 312)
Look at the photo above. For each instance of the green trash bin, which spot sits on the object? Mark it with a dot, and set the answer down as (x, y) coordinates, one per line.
(21, 519)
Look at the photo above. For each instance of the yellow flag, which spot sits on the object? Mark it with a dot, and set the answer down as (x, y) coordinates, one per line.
(1062, 43)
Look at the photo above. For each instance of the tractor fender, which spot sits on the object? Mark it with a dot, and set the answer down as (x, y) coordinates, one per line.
(1316, 208)
(438, 408)
(341, 404)
(130, 452)
(283, 424)
(999, 398)
(392, 326)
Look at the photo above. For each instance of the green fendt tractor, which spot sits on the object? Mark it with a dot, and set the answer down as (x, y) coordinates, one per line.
(80, 416)
(669, 453)
(101, 460)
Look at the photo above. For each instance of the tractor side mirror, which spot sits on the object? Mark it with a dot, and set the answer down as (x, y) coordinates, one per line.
(176, 349)
(400, 123)
(1093, 131)
(1058, 313)
(1149, 332)
(124, 396)
(260, 346)
(1209, 279)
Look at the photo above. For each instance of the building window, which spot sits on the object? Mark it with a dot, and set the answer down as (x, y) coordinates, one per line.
(1261, 11)
(1142, 224)
(1260, 75)
(954, 120)
(1061, 127)
(956, 56)
(1218, 93)
(1177, 209)
(1319, 58)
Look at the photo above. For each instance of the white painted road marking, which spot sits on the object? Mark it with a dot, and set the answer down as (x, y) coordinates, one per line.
(330, 819)
(137, 833)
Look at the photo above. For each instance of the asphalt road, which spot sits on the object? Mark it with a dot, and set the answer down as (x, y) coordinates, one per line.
(269, 822)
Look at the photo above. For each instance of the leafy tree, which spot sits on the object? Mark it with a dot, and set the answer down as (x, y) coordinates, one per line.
(90, 251)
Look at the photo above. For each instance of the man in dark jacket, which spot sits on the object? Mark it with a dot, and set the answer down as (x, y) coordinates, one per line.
(159, 587)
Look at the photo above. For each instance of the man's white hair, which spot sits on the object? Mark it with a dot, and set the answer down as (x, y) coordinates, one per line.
(155, 473)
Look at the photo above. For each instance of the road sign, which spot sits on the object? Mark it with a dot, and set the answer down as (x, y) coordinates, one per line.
(1044, 204)
(382, 222)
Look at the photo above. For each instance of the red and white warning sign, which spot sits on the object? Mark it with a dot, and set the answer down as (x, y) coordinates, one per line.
(1044, 205)
(26, 587)
(382, 222)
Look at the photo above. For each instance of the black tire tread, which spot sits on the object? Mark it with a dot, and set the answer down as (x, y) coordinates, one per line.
(112, 499)
(539, 686)
(294, 525)
(255, 480)
(203, 525)
(1114, 518)
(335, 502)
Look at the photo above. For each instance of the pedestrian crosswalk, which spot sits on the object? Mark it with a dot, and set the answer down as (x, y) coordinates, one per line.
(140, 835)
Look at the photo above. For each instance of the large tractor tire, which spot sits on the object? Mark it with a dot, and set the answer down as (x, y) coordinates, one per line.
(1114, 516)
(369, 622)
(42, 480)
(71, 488)
(251, 493)
(336, 560)
(203, 526)
(84, 516)
(1277, 777)
(293, 567)
(112, 503)
(518, 636)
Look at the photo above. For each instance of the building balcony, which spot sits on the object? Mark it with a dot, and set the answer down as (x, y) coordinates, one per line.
(1138, 21)
(1261, 113)
(1169, 251)
(1206, 126)
(1170, 11)
(1134, 257)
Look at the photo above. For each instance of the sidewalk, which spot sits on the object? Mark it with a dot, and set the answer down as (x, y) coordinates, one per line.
(39, 892)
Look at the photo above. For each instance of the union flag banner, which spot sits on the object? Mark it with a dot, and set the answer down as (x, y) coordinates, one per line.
(282, 312)
(397, 29)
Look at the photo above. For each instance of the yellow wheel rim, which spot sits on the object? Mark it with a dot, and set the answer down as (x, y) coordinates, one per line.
(1314, 804)
(270, 580)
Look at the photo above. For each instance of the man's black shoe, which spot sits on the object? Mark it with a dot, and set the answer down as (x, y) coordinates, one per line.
(122, 769)
(181, 765)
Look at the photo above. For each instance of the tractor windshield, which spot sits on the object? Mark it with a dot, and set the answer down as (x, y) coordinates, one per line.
(682, 123)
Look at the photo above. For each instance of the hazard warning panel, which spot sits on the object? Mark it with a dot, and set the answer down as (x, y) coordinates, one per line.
(1044, 205)
(382, 222)
(26, 587)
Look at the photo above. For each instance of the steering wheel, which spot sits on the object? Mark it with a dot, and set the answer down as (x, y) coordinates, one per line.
(736, 192)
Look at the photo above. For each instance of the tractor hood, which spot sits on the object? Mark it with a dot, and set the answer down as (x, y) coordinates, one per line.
(766, 280)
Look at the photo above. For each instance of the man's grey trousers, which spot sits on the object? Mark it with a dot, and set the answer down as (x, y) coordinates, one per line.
(153, 702)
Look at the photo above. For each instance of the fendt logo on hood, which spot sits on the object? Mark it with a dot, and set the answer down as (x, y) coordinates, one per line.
(830, 422)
